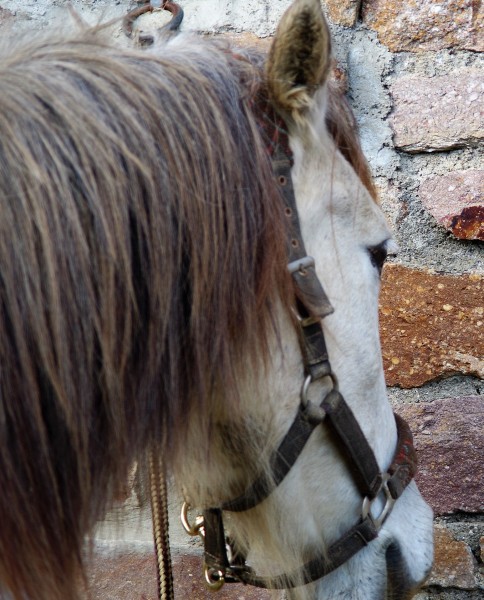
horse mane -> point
(142, 250)
(142, 255)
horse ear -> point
(299, 58)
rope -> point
(159, 514)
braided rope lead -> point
(159, 515)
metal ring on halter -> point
(197, 527)
(307, 382)
(304, 391)
(214, 578)
(387, 509)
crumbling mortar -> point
(446, 387)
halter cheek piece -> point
(312, 305)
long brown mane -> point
(142, 251)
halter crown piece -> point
(311, 306)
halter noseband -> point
(312, 305)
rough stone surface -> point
(366, 62)
(450, 387)
(259, 16)
(416, 25)
(435, 592)
(5, 15)
(343, 12)
(456, 201)
(431, 325)
(131, 575)
(438, 113)
(388, 198)
(450, 446)
(453, 563)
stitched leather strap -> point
(308, 288)
(350, 439)
(402, 470)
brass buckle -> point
(305, 321)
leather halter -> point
(312, 305)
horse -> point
(146, 306)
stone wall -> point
(416, 81)
(414, 75)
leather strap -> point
(214, 539)
(352, 441)
(312, 302)
(308, 288)
(282, 460)
(404, 464)
(337, 554)
(402, 470)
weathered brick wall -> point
(414, 75)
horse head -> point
(309, 511)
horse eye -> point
(379, 253)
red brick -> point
(456, 201)
(418, 25)
(438, 113)
(343, 12)
(454, 565)
(450, 446)
(431, 325)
